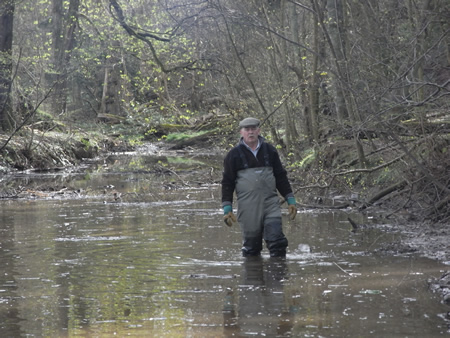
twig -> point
(348, 273)
(179, 177)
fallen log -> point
(386, 192)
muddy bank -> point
(39, 151)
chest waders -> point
(259, 213)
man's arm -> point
(228, 180)
(280, 173)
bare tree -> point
(64, 33)
(6, 39)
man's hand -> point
(229, 219)
(292, 209)
(228, 216)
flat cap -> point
(249, 122)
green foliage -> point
(43, 115)
(86, 142)
(308, 157)
(384, 176)
(134, 140)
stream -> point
(125, 245)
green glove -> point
(227, 208)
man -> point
(253, 169)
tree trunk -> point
(290, 112)
(344, 99)
(58, 49)
(110, 103)
(314, 84)
(335, 23)
(6, 38)
(103, 110)
(298, 67)
(63, 44)
(291, 130)
(279, 66)
(421, 29)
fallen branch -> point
(386, 191)
(313, 186)
(440, 207)
(315, 206)
(442, 203)
(174, 173)
(361, 170)
(348, 273)
(369, 170)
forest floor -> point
(421, 234)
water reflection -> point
(261, 308)
(9, 311)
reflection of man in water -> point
(262, 309)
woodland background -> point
(355, 94)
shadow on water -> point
(138, 250)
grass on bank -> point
(175, 137)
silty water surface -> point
(127, 247)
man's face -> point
(250, 134)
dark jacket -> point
(233, 163)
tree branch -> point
(369, 170)
(247, 75)
(27, 117)
(143, 37)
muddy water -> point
(127, 247)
